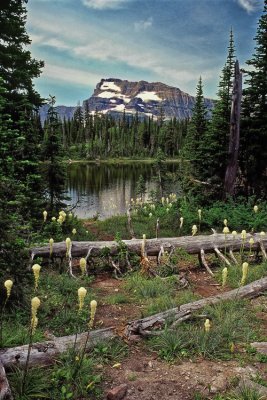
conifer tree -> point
(55, 173)
(254, 124)
(193, 149)
(217, 140)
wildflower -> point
(8, 285)
(36, 272)
(224, 276)
(93, 306)
(68, 246)
(262, 233)
(53, 219)
(45, 215)
(194, 230)
(51, 242)
(83, 265)
(244, 273)
(35, 305)
(81, 296)
(234, 233)
(74, 231)
(62, 215)
(207, 325)
(225, 222)
(181, 222)
(163, 200)
(243, 234)
(199, 214)
(150, 215)
(34, 323)
(251, 241)
(255, 209)
(60, 220)
(70, 215)
(226, 230)
(143, 245)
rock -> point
(118, 392)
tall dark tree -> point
(254, 124)
(20, 184)
(193, 149)
(218, 135)
(17, 67)
(54, 170)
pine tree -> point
(17, 67)
(254, 121)
(54, 173)
(218, 135)
(193, 149)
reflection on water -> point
(106, 189)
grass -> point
(234, 275)
(233, 324)
(62, 382)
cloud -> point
(70, 75)
(248, 5)
(104, 4)
(143, 25)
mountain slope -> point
(115, 96)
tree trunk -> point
(45, 353)
(231, 169)
(191, 244)
(142, 326)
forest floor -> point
(148, 377)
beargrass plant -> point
(235, 274)
(232, 324)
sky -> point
(169, 41)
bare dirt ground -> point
(149, 378)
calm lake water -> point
(106, 189)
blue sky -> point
(171, 41)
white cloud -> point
(104, 4)
(70, 75)
(143, 25)
(248, 5)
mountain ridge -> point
(115, 96)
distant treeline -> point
(90, 136)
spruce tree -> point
(217, 140)
(54, 173)
(254, 121)
(193, 149)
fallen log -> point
(178, 314)
(45, 353)
(5, 392)
(191, 244)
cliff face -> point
(115, 96)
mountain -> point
(115, 96)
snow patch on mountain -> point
(110, 86)
(148, 96)
(119, 108)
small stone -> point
(117, 393)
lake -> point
(106, 189)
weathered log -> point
(44, 353)
(5, 392)
(181, 313)
(191, 244)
